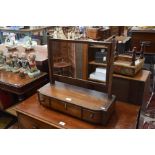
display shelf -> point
(98, 46)
(98, 56)
(97, 63)
(96, 80)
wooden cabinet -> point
(132, 89)
(139, 36)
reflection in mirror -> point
(80, 60)
(68, 59)
(97, 60)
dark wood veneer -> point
(124, 117)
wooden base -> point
(32, 115)
(85, 104)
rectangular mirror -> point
(68, 59)
(83, 63)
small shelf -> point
(97, 63)
(98, 46)
(95, 80)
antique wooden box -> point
(143, 35)
(123, 65)
(85, 104)
(93, 33)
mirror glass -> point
(79, 60)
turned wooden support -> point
(115, 42)
(143, 45)
(50, 60)
(142, 51)
(133, 56)
(116, 49)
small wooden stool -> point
(63, 68)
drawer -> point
(66, 108)
(74, 110)
(44, 100)
(27, 122)
(92, 116)
(58, 105)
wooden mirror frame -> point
(99, 86)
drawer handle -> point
(64, 104)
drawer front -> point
(44, 100)
(58, 105)
(91, 116)
(27, 122)
(74, 110)
(66, 108)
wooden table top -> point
(140, 76)
(124, 117)
(11, 82)
(13, 79)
